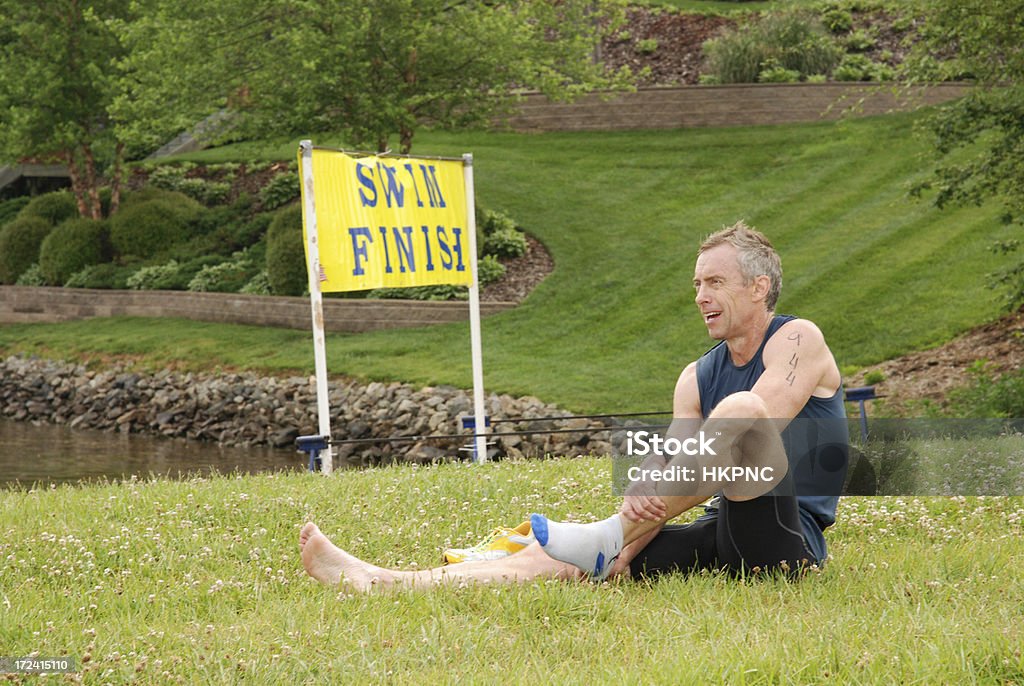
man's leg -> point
(744, 437)
(756, 535)
(331, 565)
(678, 548)
(761, 535)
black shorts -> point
(762, 534)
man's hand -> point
(638, 508)
(642, 504)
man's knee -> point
(741, 405)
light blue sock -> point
(591, 547)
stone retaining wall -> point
(246, 409)
(19, 304)
(731, 105)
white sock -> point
(591, 547)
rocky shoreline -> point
(245, 409)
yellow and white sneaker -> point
(500, 543)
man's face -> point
(724, 301)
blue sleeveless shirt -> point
(816, 441)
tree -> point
(56, 83)
(980, 138)
(370, 69)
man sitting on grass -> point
(777, 480)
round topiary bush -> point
(146, 228)
(53, 207)
(9, 209)
(19, 246)
(286, 254)
(71, 247)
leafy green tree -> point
(980, 138)
(372, 69)
(57, 81)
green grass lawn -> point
(199, 581)
(622, 213)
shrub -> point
(53, 207)
(72, 246)
(497, 234)
(107, 275)
(791, 41)
(153, 277)
(802, 45)
(989, 395)
(874, 377)
(286, 254)
(174, 178)
(170, 276)
(861, 68)
(206, 192)
(882, 72)
(227, 170)
(492, 221)
(20, 241)
(489, 270)
(258, 285)
(33, 276)
(837, 19)
(776, 73)
(647, 46)
(221, 231)
(734, 57)
(859, 41)
(505, 243)
(226, 277)
(249, 231)
(903, 23)
(147, 228)
(168, 177)
(9, 209)
(280, 191)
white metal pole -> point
(316, 302)
(480, 442)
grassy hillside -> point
(622, 213)
(199, 582)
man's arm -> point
(640, 502)
(797, 365)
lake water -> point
(48, 453)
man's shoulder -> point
(799, 330)
(686, 399)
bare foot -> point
(329, 564)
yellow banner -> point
(388, 222)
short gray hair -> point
(755, 255)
